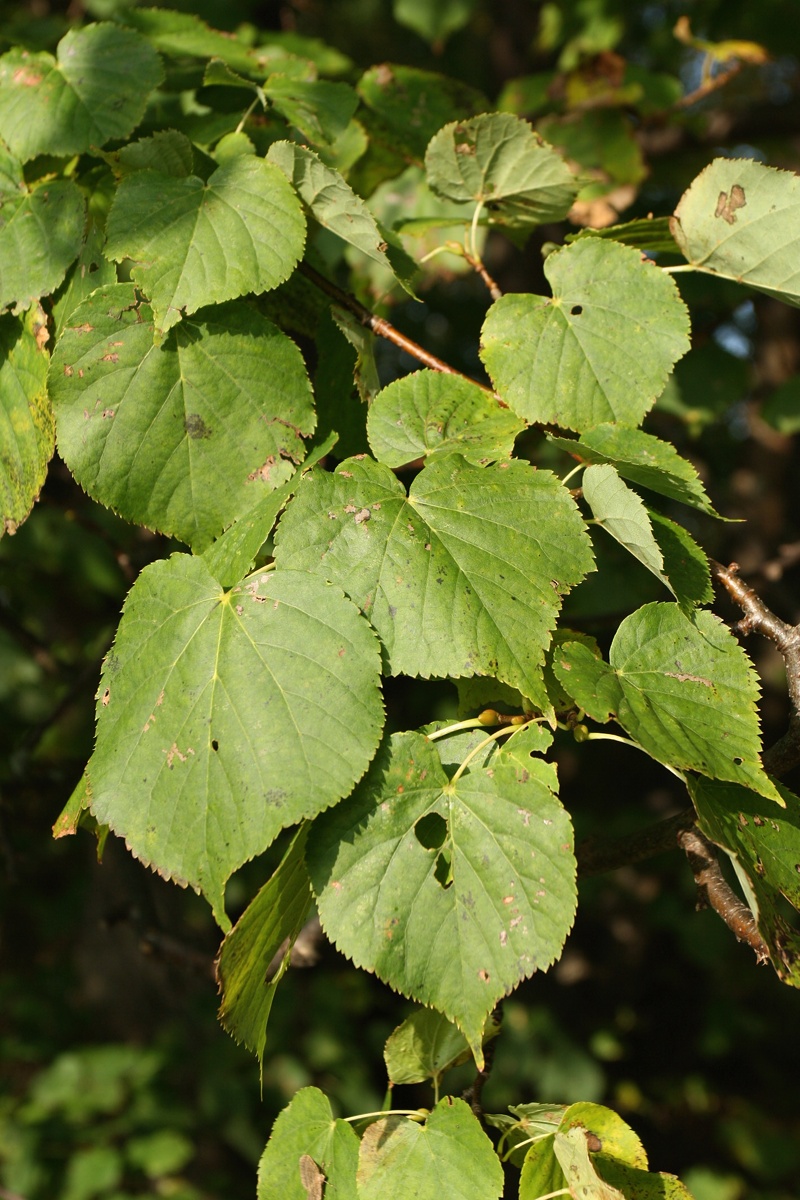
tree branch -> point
(757, 618)
(714, 891)
(384, 328)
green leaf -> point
(183, 34)
(429, 414)
(91, 271)
(425, 1046)
(320, 110)
(498, 161)
(684, 690)
(563, 1159)
(187, 435)
(234, 553)
(449, 1155)
(41, 230)
(635, 1184)
(307, 1127)
(336, 207)
(623, 515)
(646, 233)
(413, 104)
(95, 89)
(764, 844)
(276, 914)
(642, 459)
(433, 20)
(451, 892)
(196, 243)
(733, 222)
(462, 577)
(571, 1148)
(340, 366)
(213, 733)
(600, 350)
(685, 563)
(27, 430)
(167, 151)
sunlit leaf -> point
(685, 690)
(451, 892)
(739, 220)
(195, 243)
(464, 576)
(307, 1128)
(183, 436)
(213, 733)
(599, 350)
(95, 89)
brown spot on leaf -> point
(196, 427)
(363, 516)
(483, 975)
(110, 358)
(263, 471)
(106, 697)
(68, 371)
(728, 204)
(23, 77)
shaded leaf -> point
(429, 414)
(685, 563)
(196, 243)
(187, 435)
(413, 104)
(306, 1128)
(643, 459)
(423, 1047)
(95, 89)
(213, 734)
(41, 230)
(599, 350)
(277, 913)
(646, 233)
(449, 1155)
(184, 34)
(27, 430)
(764, 844)
(319, 109)
(738, 220)
(563, 1159)
(462, 577)
(497, 160)
(623, 515)
(451, 892)
(684, 690)
(433, 20)
(167, 151)
(91, 270)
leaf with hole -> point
(451, 892)
(429, 414)
(194, 243)
(738, 219)
(213, 733)
(95, 89)
(684, 690)
(186, 435)
(599, 350)
(464, 576)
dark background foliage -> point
(109, 1047)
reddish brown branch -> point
(706, 88)
(478, 265)
(382, 327)
(713, 891)
(757, 618)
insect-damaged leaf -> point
(739, 219)
(599, 350)
(464, 576)
(685, 690)
(95, 89)
(451, 893)
(186, 435)
(306, 1129)
(214, 732)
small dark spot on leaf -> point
(737, 762)
(576, 310)
(214, 744)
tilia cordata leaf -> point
(214, 732)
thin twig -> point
(382, 327)
(597, 855)
(477, 264)
(706, 88)
(758, 618)
(714, 891)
